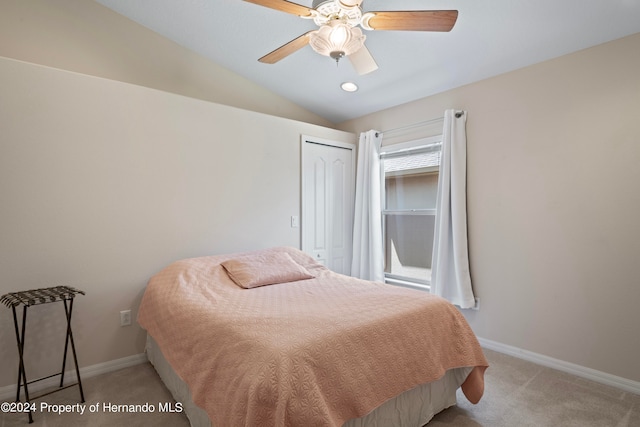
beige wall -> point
(553, 203)
(103, 183)
(86, 37)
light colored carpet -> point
(522, 394)
(138, 384)
(518, 393)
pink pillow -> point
(268, 268)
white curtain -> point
(367, 261)
(450, 277)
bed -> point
(273, 338)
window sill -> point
(407, 284)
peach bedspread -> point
(314, 352)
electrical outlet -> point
(125, 318)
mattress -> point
(414, 407)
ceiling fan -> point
(339, 35)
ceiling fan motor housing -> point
(326, 11)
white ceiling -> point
(490, 37)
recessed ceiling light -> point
(349, 87)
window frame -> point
(428, 144)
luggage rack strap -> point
(39, 296)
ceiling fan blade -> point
(412, 20)
(286, 49)
(362, 61)
(283, 6)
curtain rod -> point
(414, 125)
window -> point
(409, 208)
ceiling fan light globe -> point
(336, 37)
(354, 42)
(339, 35)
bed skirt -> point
(414, 407)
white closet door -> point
(328, 173)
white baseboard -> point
(570, 368)
(9, 392)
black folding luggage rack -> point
(27, 299)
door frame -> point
(307, 139)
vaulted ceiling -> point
(490, 37)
